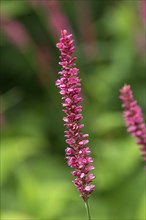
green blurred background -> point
(110, 50)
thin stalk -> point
(88, 210)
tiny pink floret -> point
(133, 118)
(77, 154)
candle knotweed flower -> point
(133, 118)
(77, 153)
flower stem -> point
(88, 210)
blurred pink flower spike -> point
(133, 118)
(15, 32)
(56, 17)
(77, 154)
(142, 10)
(20, 38)
(87, 29)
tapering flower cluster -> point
(77, 153)
(133, 118)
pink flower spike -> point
(133, 118)
(69, 85)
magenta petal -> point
(89, 188)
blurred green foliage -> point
(35, 180)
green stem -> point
(88, 210)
